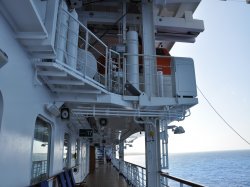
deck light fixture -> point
(177, 129)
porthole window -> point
(41, 151)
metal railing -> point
(136, 175)
(161, 74)
(90, 55)
(92, 58)
(115, 72)
(165, 177)
(81, 51)
(39, 170)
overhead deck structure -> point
(100, 66)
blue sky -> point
(222, 63)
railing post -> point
(109, 70)
(149, 61)
(124, 74)
(106, 68)
(86, 49)
(119, 71)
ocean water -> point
(213, 169)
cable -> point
(221, 116)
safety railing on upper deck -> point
(136, 175)
(158, 74)
(115, 73)
(80, 50)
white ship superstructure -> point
(80, 74)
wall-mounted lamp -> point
(129, 145)
(177, 129)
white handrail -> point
(136, 175)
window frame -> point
(49, 149)
(68, 157)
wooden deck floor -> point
(105, 176)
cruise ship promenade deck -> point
(105, 175)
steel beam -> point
(153, 165)
(52, 73)
(149, 48)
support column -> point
(152, 141)
(121, 156)
(149, 48)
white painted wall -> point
(23, 102)
(1, 108)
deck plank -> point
(105, 176)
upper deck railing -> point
(136, 175)
(81, 51)
(95, 61)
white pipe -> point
(132, 60)
(72, 41)
(62, 29)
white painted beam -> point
(66, 82)
(52, 73)
(31, 35)
(181, 25)
(77, 91)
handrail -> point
(137, 177)
(89, 31)
(182, 181)
(135, 165)
(84, 59)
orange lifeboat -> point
(163, 63)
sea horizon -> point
(207, 151)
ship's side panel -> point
(23, 102)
